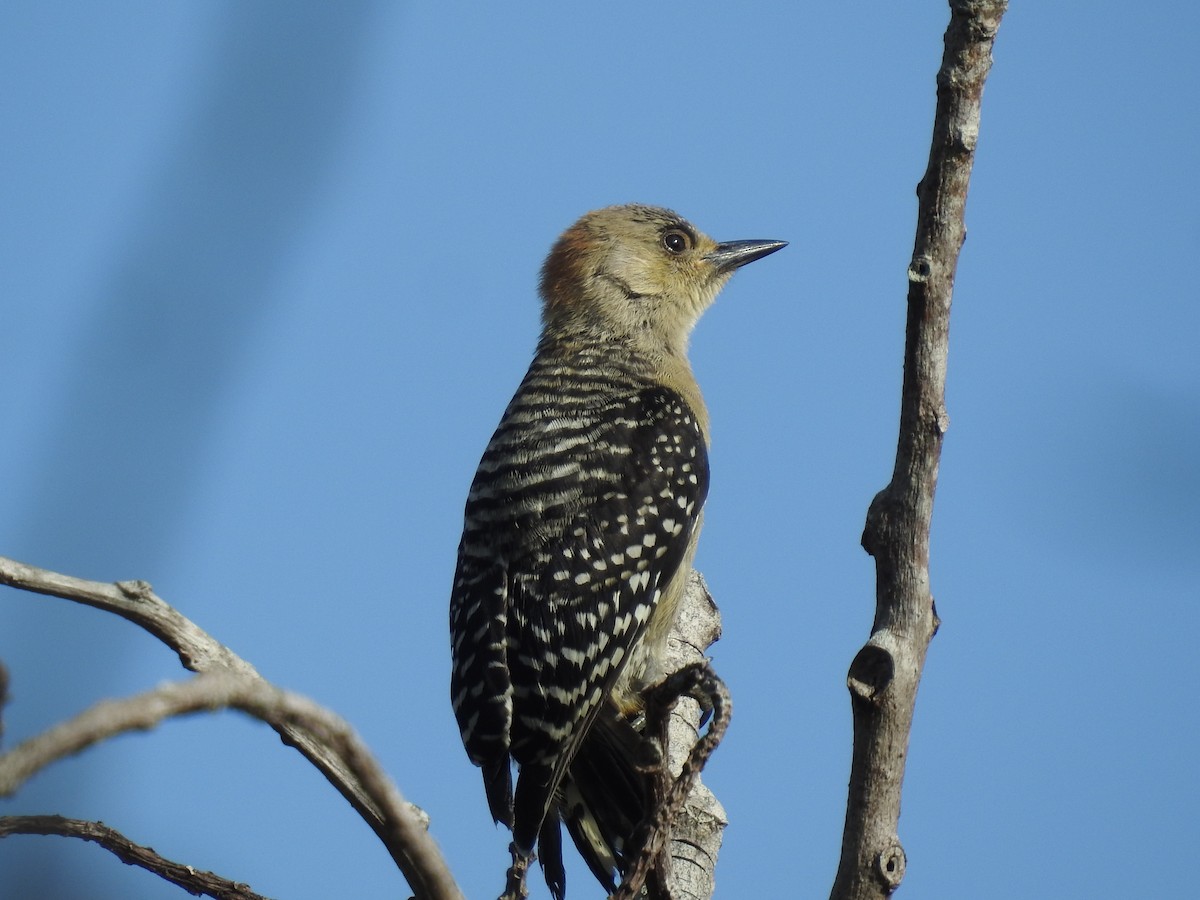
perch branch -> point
(885, 673)
(689, 813)
(698, 829)
(697, 680)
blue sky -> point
(268, 281)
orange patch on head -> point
(565, 266)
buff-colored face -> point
(641, 272)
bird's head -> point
(638, 273)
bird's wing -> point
(576, 613)
(571, 534)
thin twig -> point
(191, 880)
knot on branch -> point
(941, 421)
(135, 589)
(980, 18)
(697, 625)
(921, 267)
(871, 672)
(879, 516)
(890, 865)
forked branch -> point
(325, 740)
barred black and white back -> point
(582, 512)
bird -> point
(579, 531)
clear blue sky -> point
(267, 277)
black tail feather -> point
(550, 855)
(605, 796)
(497, 783)
(608, 794)
(531, 804)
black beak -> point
(735, 254)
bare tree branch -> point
(135, 601)
(206, 692)
(697, 679)
(323, 739)
(191, 880)
(699, 828)
(112, 717)
(885, 673)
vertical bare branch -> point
(885, 673)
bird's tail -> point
(606, 795)
(603, 796)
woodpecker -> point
(579, 533)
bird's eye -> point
(675, 241)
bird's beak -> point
(735, 254)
